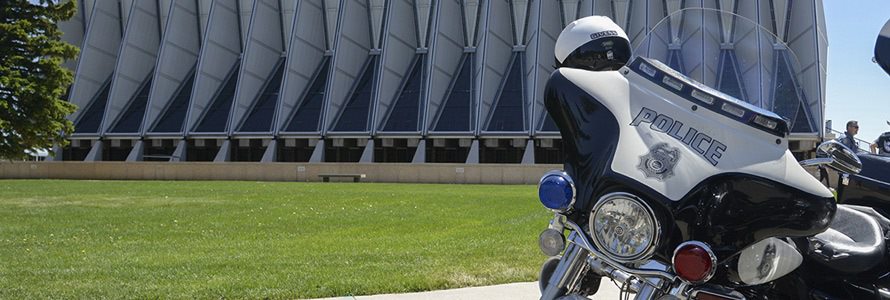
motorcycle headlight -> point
(557, 191)
(624, 227)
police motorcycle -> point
(675, 190)
(870, 186)
(866, 186)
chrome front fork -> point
(568, 273)
(580, 257)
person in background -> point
(848, 138)
(882, 144)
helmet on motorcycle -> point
(593, 43)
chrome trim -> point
(710, 253)
(568, 178)
(655, 240)
(583, 241)
(821, 161)
(695, 293)
(567, 273)
(558, 222)
(843, 159)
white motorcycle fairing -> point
(688, 142)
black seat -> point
(853, 243)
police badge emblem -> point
(659, 162)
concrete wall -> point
(406, 173)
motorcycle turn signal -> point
(552, 242)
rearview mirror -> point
(836, 156)
(882, 48)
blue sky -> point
(857, 88)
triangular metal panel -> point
(398, 58)
(676, 19)
(220, 52)
(204, 15)
(136, 61)
(353, 45)
(520, 16)
(586, 8)
(545, 25)
(780, 11)
(447, 44)
(261, 56)
(307, 48)
(97, 57)
(569, 11)
(332, 16)
(377, 8)
(164, 12)
(245, 11)
(125, 7)
(288, 9)
(726, 20)
(176, 61)
(423, 9)
(621, 10)
(471, 18)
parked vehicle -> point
(675, 190)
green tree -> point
(32, 79)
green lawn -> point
(164, 239)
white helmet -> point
(593, 43)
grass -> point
(156, 239)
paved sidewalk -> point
(510, 291)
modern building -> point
(457, 81)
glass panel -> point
(306, 116)
(729, 77)
(787, 96)
(802, 123)
(508, 114)
(131, 120)
(217, 116)
(355, 116)
(260, 117)
(549, 124)
(455, 115)
(174, 114)
(406, 111)
(92, 117)
(675, 61)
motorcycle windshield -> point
(734, 65)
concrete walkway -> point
(510, 291)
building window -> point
(509, 111)
(263, 111)
(354, 116)
(131, 120)
(730, 81)
(217, 116)
(307, 114)
(92, 117)
(174, 114)
(787, 96)
(455, 115)
(406, 111)
(548, 125)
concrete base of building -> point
(305, 172)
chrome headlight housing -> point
(624, 227)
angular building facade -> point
(422, 81)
